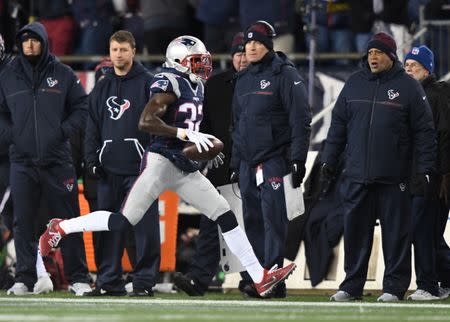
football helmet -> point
(188, 55)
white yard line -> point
(156, 301)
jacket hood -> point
(40, 31)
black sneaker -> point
(250, 291)
(141, 293)
(279, 292)
(187, 285)
(102, 292)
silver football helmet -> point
(188, 55)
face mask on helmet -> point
(188, 55)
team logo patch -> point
(51, 82)
(392, 94)
(275, 182)
(250, 35)
(415, 51)
(162, 84)
(69, 184)
(117, 108)
(187, 42)
(264, 84)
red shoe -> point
(51, 237)
(272, 278)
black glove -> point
(298, 173)
(234, 176)
(327, 177)
(96, 171)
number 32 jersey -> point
(186, 112)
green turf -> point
(61, 306)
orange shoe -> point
(272, 278)
(51, 237)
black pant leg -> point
(394, 211)
(424, 240)
(61, 192)
(26, 193)
(359, 220)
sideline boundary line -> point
(262, 303)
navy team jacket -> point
(40, 106)
(381, 120)
(271, 112)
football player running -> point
(173, 116)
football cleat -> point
(272, 278)
(51, 237)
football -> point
(190, 150)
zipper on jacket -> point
(36, 132)
(369, 138)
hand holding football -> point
(190, 150)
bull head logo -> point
(116, 108)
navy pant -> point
(57, 185)
(206, 260)
(425, 233)
(109, 246)
(5, 195)
(264, 209)
(443, 251)
(363, 204)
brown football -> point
(190, 150)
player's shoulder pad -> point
(166, 82)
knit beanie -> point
(423, 55)
(385, 43)
(261, 31)
(237, 45)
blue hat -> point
(423, 55)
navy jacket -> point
(40, 106)
(271, 112)
(115, 106)
(381, 120)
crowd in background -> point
(343, 26)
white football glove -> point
(216, 162)
(201, 140)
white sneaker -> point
(422, 295)
(79, 289)
(444, 292)
(342, 296)
(18, 289)
(387, 297)
(43, 285)
(129, 287)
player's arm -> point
(151, 121)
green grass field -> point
(62, 306)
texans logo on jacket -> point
(117, 108)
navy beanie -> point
(261, 31)
(237, 45)
(424, 56)
(29, 34)
(385, 43)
